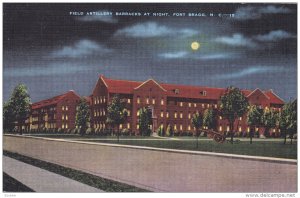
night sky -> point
(53, 48)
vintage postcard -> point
(150, 97)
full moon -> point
(195, 45)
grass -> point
(12, 185)
(257, 148)
(86, 178)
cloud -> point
(249, 71)
(58, 68)
(101, 15)
(237, 40)
(255, 12)
(152, 29)
(174, 55)
(217, 56)
(80, 49)
(274, 36)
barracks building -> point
(171, 104)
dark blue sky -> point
(52, 50)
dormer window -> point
(176, 91)
(203, 93)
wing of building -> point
(171, 104)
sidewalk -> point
(41, 180)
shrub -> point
(88, 131)
(160, 131)
(124, 132)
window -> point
(138, 100)
(95, 100)
(175, 115)
(274, 130)
(216, 106)
(103, 113)
(181, 104)
(128, 125)
(128, 101)
(138, 113)
(63, 126)
(220, 128)
(162, 101)
(189, 116)
(100, 99)
(240, 129)
(100, 112)
(120, 126)
(147, 100)
(190, 104)
(180, 126)
(202, 105)
(175, 127)
(227, 129)
(248, 129)
(195, 105)
(66, 117)
(240, 118)
(189, 127)
(161, 114)
(137, 126)
(167, 114)
(181, 115)
(103, 99)
(208, 105)
(128, 112)
(66, 126)
(63, 108)
(63, 117)
(176, 91)
(153, 100)
(220, 117)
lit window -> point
(220, 117)
(208, 105)
(95, 101)
(100, 99)
(128, 125)
(227, 128)
(128, 101)
(63, 126)
(256, 129)
(240, 118)
(153, 100)
(240, 129)
(138, 100)
(66, 126)
(248, 129)
(175, 115)
(162, 101)
(175, 127)
(167, 114)
(63, 108)
(190, 104)
(103, 99)
(189, 116)
(220, 128)
(63, 117)
(161, 114)
(103, 125)
(103, 113)
(138, 113)
(189, 127)
(216, 106)
(195, 105)
(180, 127)
(181, 104)
(274, 130)
(128, 112)
(120, 126)
(66, 117)
(137, 126)
(202, 105)
(147, 101)
(181, 115)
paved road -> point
(41, 180)
(162, 171)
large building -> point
(171, 104)
(54, 113)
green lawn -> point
(258, 148)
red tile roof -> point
(51, 101)
(185, 91)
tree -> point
(268, 120)
(254, 117)
(116, 113)
(233, 105)
(197, 122)
(209, 119)
(145, 120)
(19, 105)
(288, 119)
(169, 131)
(8, 117)
(82, 116)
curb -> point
(224, 155)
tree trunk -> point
(284, 137)
(118, 135)
(232, 133)
(197, 134)
(251, 135)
